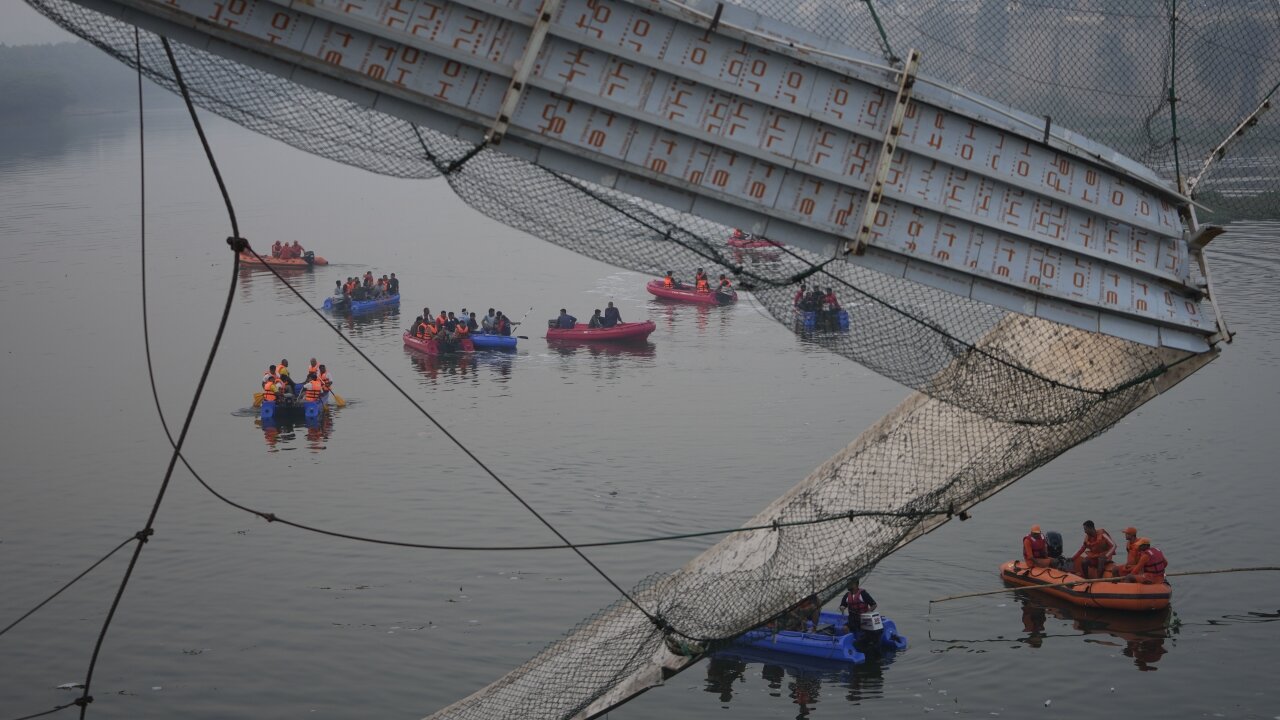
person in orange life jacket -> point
(286, 252)
(700, 274)
(829, 301)
(326, 380)
(1150, 566)
(461, 328)
(670, 282)
(312, 390)
(1035, 549)
(270, 374)
(856, 602)
(502, 325)
(270, 388)
(700, 282)
(1131, 553)
(275, 249)
(725, 286)
(415, 330)
(313, 368)
(282, 372)
(611, 316)
(441, 319)
(296, 249)
(566, 321)
(1090, 561)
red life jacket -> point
(1039, 546)
(1153, 563)
(668, 282)
(702, 285)
(856, 605)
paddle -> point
(338, 399)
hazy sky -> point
(20, 25)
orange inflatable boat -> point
(302, 262)
(1110, 595)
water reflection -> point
(569, 348)
(450, 367)
(1140, 636)
(282, 430)
(666, 312)
(801, 678)
(378, 321)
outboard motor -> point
(309, 256)
(1053, 539)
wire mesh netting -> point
(1000, 393)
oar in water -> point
(1090, 581)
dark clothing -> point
(393, 286)
(502, 327)
(566, 321)
(472, 324)
(595, 322)
(611, 317)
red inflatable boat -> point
(622, 332)
(685, 293)
(432, 347)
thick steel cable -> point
(85, 698)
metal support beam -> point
(523, 68)
(858, 245)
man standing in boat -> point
(856, 602)
(611, 316)
(1094, 553)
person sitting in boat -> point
(1035, 549)
(1131, 553)
(669, 282)
(502, 325)
(311, 390)
(725, 287)
(271, 374)
(393, 286)
(1150, 566)
(282, 371)
(611, 316)
(441, 320)
(1095, 552)
(597, 320)
(326, 382)
(296, 249)
(699, 274)
(472, 324)
(461, 329)
(856, 602)
(271, 388)
(566, 321)
(700, 282)
(803, 615)
(486, 322)
(275, 249)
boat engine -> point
(1053, 539)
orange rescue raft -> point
(1131, 596)
(283, 262)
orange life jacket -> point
(441, 319)
(1097, 546)
(703, 286)
(462, 328)
(313, 391)
(1035, 547)
(325, 382)
(726, 285)
(427, 330)
(1152, 564)
(269, 390)
(668, 282)
(1131, 548)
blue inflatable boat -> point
(487, 341)
(808, 319)
(355, 306)
(830, 641)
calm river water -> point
(229, 616)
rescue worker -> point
(275, 249)
(700, 282)
(611, 316)
(856, 602)
(283, 373)
(312, 390)
(1150, 566)
(296, 249)
(1090, 561)
(725, 286)
(502, 325)
(313, 368)
(270, 388)
(326, 380)
(461, 329)
(1035, 549)
(270, 374)
(669, 282)
(1131, 553)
